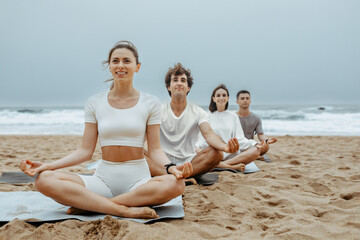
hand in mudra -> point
(31, 168)
(182, 171)
(232, 146)
(264, 146)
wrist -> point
(171, 169)
(48, 166)
(168, 166)
(225, 147)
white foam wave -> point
(65, 116)
(316, 124)
(276, 121)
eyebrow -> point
(178, 77)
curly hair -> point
(177, 70)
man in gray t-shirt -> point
(250, 122)
(251, 125)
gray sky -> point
(295, 52)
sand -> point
(310, 190)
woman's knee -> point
(43, 180)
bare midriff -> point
(121, 153)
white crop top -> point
(122, 127)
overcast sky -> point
(295, 52)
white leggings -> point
(114, 178)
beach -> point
(310, 190)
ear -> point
(213, 98)
(237, 101)
(138, 67)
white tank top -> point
(122, 127)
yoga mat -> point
(266, 158)
(93, 165)
(207, 179)
(35, 207)
(19, 177)
(16, 177)
(249, 168)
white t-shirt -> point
(122, 127)
(178, 135)
(227, 125)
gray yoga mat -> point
(16, 177)
(266, 158)
(35, 207)
(206, 179)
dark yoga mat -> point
(207, 179)
(16, 177)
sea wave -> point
(279, 120)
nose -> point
(121, 64)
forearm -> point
(159, 158)
(78, 156)
(215, 141)
(262, 137)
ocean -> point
(278, 120)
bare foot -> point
(128, 212)
(77, 211)
(239, 167)
(190, 181)
(140, 212)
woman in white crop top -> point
(227, 125)
(122, 118)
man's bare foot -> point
(239, 167)
(190, 181)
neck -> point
(220, 108)
(178, 105)
(243, 112)
(123, 89)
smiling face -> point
(220, 98)
(122, 64)
(178, 85)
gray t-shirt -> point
(251, 124)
